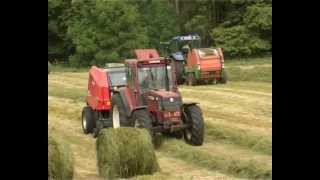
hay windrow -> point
(60, 160)
(125, 152)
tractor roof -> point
(186, 37)
(113, 65)
(146, 54)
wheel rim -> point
(188, 134)
(115, 117)
(84, 122)
(136, 124)
(215, 81)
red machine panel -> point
(98, 89)
(146, 54)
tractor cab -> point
(179, 46)
(151, 77)
(116, 75)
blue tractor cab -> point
(179, 45)
(177, 49)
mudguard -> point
(189, 104)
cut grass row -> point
(240, 137)
(177, 169)
(67, 125)
(248, 61)
(206, 159)
(67, 92)
(255, 114)
(224, 163)
(214, 131)
(261, 74)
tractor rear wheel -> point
(194, 135)
(191, 80)
(224, 77)
(87, 120)
(141, 118)
(179, 71)
(119, 117)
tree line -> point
(86, 32)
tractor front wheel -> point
(119, 117)
(87, 120)
(194, 135)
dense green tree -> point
(59, 45)
(159, 20)
(86, 32)
(104, 31)
(246, 30)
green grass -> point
(64, 92)
(228, 165)
(65, 68)
(240, 70)
(125, 152)
(240, 137)
(260, 74)
(248, 61)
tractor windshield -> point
(117, 78)
(156, 77)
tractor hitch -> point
(172, 128)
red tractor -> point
(151, 99)
(102, 84)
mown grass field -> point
(238, 125)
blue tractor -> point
(177, 49)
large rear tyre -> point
(141, 118)
(119, 117)
(224, 77)
(194, 135)
(87, 120)
(179, 71)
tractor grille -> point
(171, 106)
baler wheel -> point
(87, 120)
(179, 71)
(191, 79)
(195, 134)
(224, 77)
